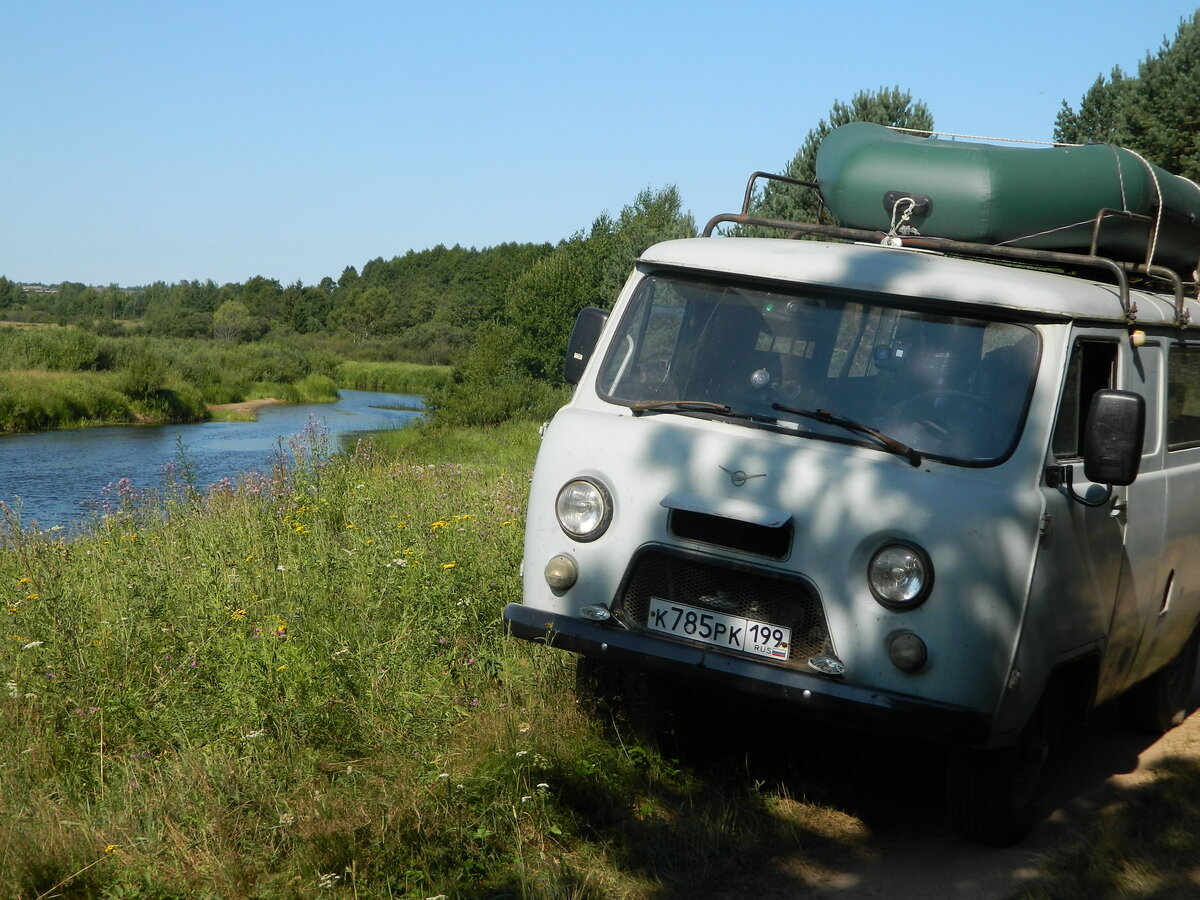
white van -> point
(891, 485)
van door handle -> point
(1119, 508)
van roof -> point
(916, 274)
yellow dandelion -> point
(350, 526)
(249, 558)
(281, 668)
(32, 596)
(449, 565)
(509, 522)
(237, 615)
(24, 579)
(111, 848)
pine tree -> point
(887, 106)
(1156, 112)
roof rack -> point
(1119, 271)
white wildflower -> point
(254, 734)
(33, 645)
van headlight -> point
(900, 576)
(584, 509)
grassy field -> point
(299, 686)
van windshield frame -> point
(796, 358)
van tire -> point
(1162, 701)
(995, 796)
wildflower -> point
(32, 597)
(237, 615)
(286, 819)
(449, 565)
(329, 879)
(254, 734)
(399, 562)
(509, 522)
(443, 776)
(350, 526)
(24, 579)
(13, 691)
(526, 798)
(543, 786)
(521, 753)
(523, 728)
(281, 668)
(249, 558)
(111, 848)
(33, 645)
(281, 568)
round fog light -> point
(907, 651)
(561, 572)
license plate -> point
(719, 629)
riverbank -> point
(245, 411)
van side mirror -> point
(588, 325)
(1112, 445)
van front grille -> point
(737, 591)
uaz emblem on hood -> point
(738, 477)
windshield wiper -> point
(706, 406)
(685, 405)
(832, 418)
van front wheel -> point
(1163, 700)
(995, 796)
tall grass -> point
(392, 377)
(294, 685)
(33, 401)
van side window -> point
(1183, 397)
(1092, 368)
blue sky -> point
(181, 140)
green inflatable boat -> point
(1053, 198)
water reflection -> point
(54, 477)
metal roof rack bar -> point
(956, 248)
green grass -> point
(41, 400)
(300, 686)
(392, 377)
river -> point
(56, 477)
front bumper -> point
(827, 698)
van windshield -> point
(951, 387)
